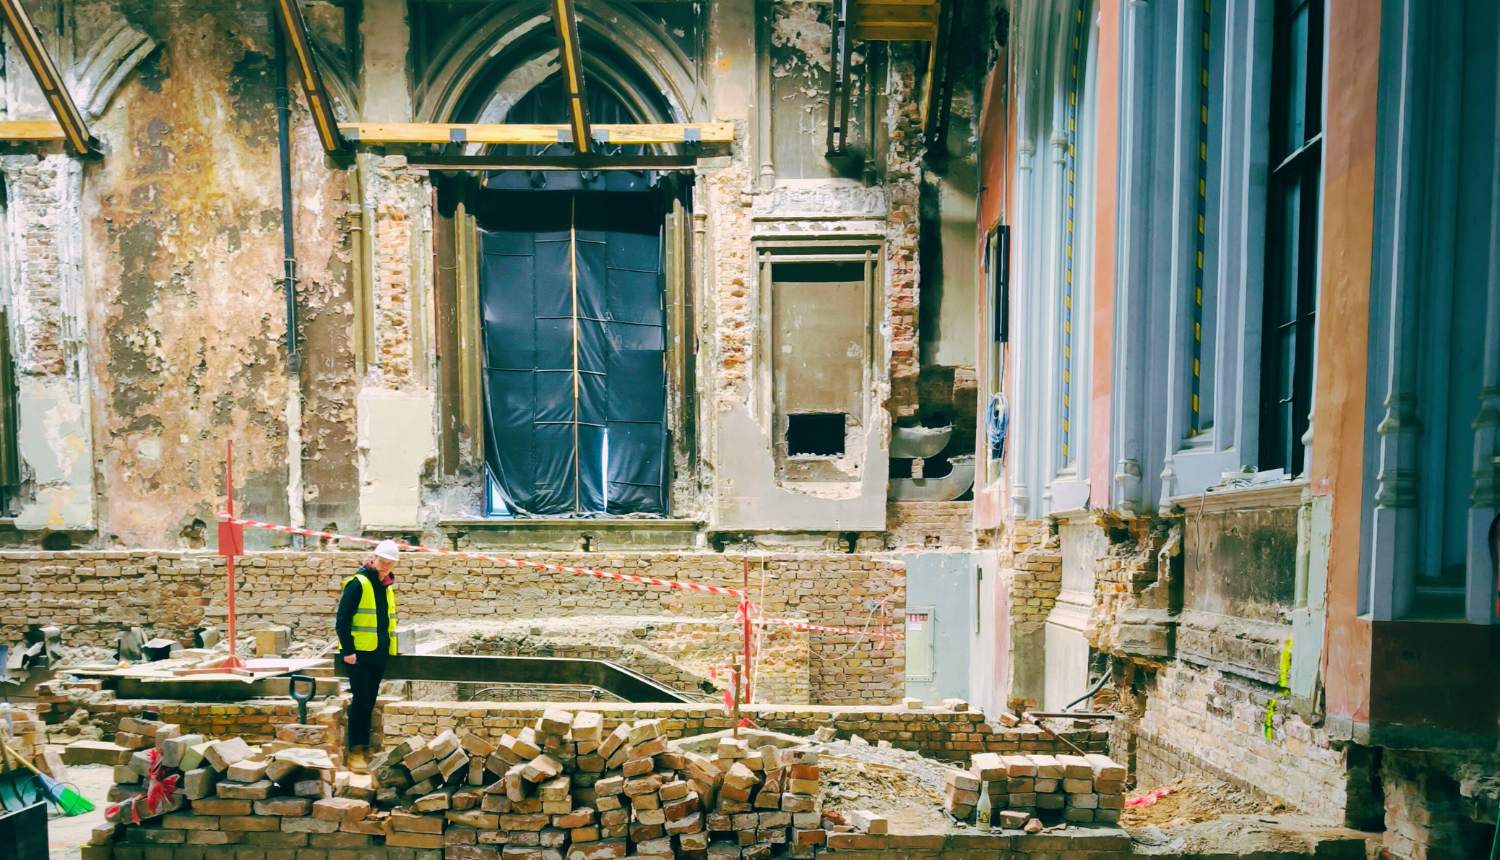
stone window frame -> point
(1034, 441)
(1072, 361)
(1154, 292)
(851, 248)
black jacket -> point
(349, 603)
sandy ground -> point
(901, 785)
(1194, 800)
(66, 835)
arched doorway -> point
(573, 295)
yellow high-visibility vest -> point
(363, 631)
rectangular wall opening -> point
(815, 435)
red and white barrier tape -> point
(557, 568)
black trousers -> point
(364, 684)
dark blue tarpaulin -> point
(575, 341)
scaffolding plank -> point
(535, 135)
(31, 130)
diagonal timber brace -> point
(566, 18)
(74, 130)
(295, 25)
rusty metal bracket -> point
(838, 79)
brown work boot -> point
(359, 761)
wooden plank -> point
(538, 135)
(566, 19)
(892, 14)
(31, 130)
(895, 32)
(295, 26)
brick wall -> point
(1031, 559)
(948, 735)
(254, 720)
(92, 595)
(1439, 806)
(930, 525)
(1201, 719)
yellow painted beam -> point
(894, 32)
(75, 130)
(566, 19)
(39, 130)
(295, 26)
(534, 135)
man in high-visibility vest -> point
(366, 627)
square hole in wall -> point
(815, 434)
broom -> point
(68, 800)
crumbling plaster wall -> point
(397, 436)
(179, 260)
(1194, 608)
(184, 261)
(48, 321)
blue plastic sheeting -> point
(575, 377)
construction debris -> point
(1193, 800)
(559, 788)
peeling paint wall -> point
(184, 255)
(329, 488)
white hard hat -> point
(388, 550)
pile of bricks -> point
(563, 788)
(25, 734)
(1079, 789)
(174, 789)
(558, 788)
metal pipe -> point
(289, 258)
(1109, 670)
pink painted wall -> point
(1343, 338)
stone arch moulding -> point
(342, 91)
(444, 86)
(97, 73)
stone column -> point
(48, 329)
(396, 405)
